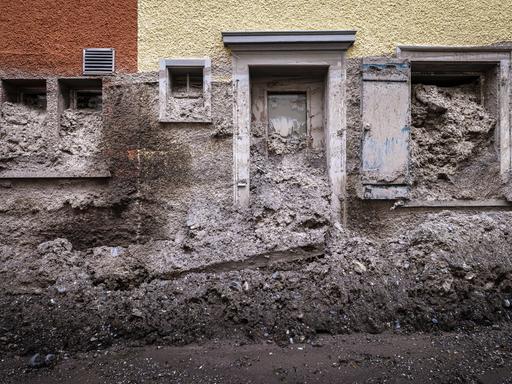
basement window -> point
(31, 93)
(186, 82)
(80, 94)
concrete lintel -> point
(185, 62)
(288, 40)
(455, 53)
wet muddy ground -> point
(483, 355)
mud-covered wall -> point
(156, 252)
(187, 29)
(48, 37)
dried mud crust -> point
(453, 152)
(28, 143)
(24, 137)
(452, 270)
(80, 139)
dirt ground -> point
(482, 355)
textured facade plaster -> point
(48, 37)
(190, 28)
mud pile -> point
(289, 192)
(24, 140)
(452, 270)
(452, 146)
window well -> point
(186, 82)
(29, 92)
(80, 94)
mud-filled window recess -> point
(81, 125)
(29, 92)
(261, 61)
(460, 142)
(52, 128)
(185, 90)
(80, 94)
(287, 117)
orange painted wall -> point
(47, 37)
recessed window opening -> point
(446, 79)
(186, 81)
(287, 115)
(80, 94)
(31, 93)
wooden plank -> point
(385, 192)
(386, 103)
(455, 203)
(504, 119)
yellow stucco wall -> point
(186, 28)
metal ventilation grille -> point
(99, 61)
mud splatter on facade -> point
(118, 226)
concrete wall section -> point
(47, 37)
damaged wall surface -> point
(123, 228)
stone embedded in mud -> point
(56, 246)
(37, 361)
(359, 267)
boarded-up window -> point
(386, 128)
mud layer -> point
(481, 356)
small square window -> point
(80, 94)
(185, 90)
(31, 93)
(186, 82)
